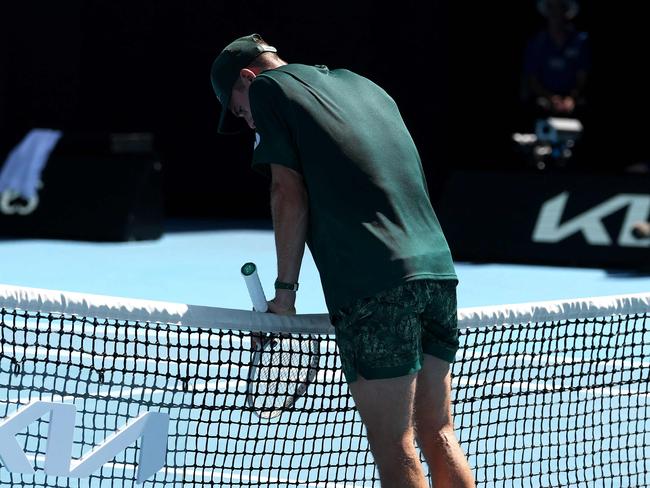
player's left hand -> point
(279, 306)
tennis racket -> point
(282, 365)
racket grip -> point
(255, 290)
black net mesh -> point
(535, 404)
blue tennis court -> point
(227, 445)
(146, 149)
(202, 267)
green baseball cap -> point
(225, 71)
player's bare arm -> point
(345, 136)
(290, 211)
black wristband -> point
(280, 285)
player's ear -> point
(247, 76)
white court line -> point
(326, 375)
(126, 392)
(548, 387)
(527, 359)
(37, 352)
(45, 351)
(222, 387)
(206, 474)
(230, 338)
(540, 387)
(116, 331)
(551, 359)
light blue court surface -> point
(202, 267)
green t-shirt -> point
(371, 224)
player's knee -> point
(445, 436)
(397, 455)
(441, 438)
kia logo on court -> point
(550, 226)
(150, 428)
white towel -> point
(21, 173)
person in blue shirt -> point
(557, 60)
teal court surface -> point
(202, 267)
(547, 403)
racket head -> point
(280, 373)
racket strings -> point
(284, 367)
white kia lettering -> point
(550, 228)
(150, 427)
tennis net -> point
(545, 394)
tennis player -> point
(346, 179)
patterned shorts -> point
(385, 336)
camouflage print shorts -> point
(385, 336)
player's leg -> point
(379, 343)
(435, 428)
(386, 406)
(433, 417)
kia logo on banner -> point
(560, 218)
(550, 227)
(150, 427)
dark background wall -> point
(453, 67)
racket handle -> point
(255, 290)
